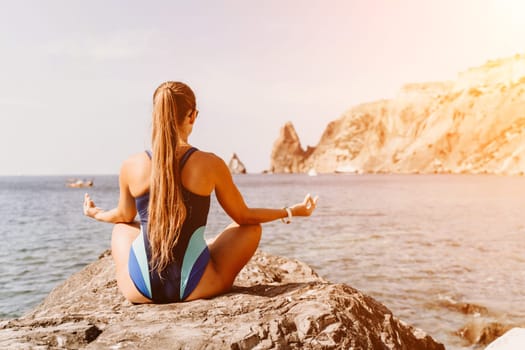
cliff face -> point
(475, 124)
(276, 303)
(288, 155)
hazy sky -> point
(76, 77)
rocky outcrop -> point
(480, 331)
(276, 303)
(288, 155)
(482, 326)
(475, 124)
(236, 166)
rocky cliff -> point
(288, 155)
(475, 124)
(276, 303)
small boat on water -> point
(347, 169)
(77, 183)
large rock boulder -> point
(276, 303)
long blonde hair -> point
(172, 102)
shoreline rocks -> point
(275, 303)
(480, 332)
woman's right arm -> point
(233, 203)
(125, 210)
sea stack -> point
(236, 166)
(288, 156)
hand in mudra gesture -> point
(305, 208)
(90, 209)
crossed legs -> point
(229, 252)
(121, 239)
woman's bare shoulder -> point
(208, 158)
(211, 166)
(136, 167)
(140, 158)
(135, 173)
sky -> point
(77, 77)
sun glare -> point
(511, 13)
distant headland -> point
(473, 125)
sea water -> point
(420, 244)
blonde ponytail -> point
(167, 211)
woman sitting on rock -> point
(165, 258)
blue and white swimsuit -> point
(191, 254)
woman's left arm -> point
(126, 209)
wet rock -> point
(276, 303)
(464, 308)
(480, 331)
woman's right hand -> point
(305, 208)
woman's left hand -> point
(89, 207)
(305, 208)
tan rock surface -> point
(288, 155)
(276, 303)
(475, 124)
